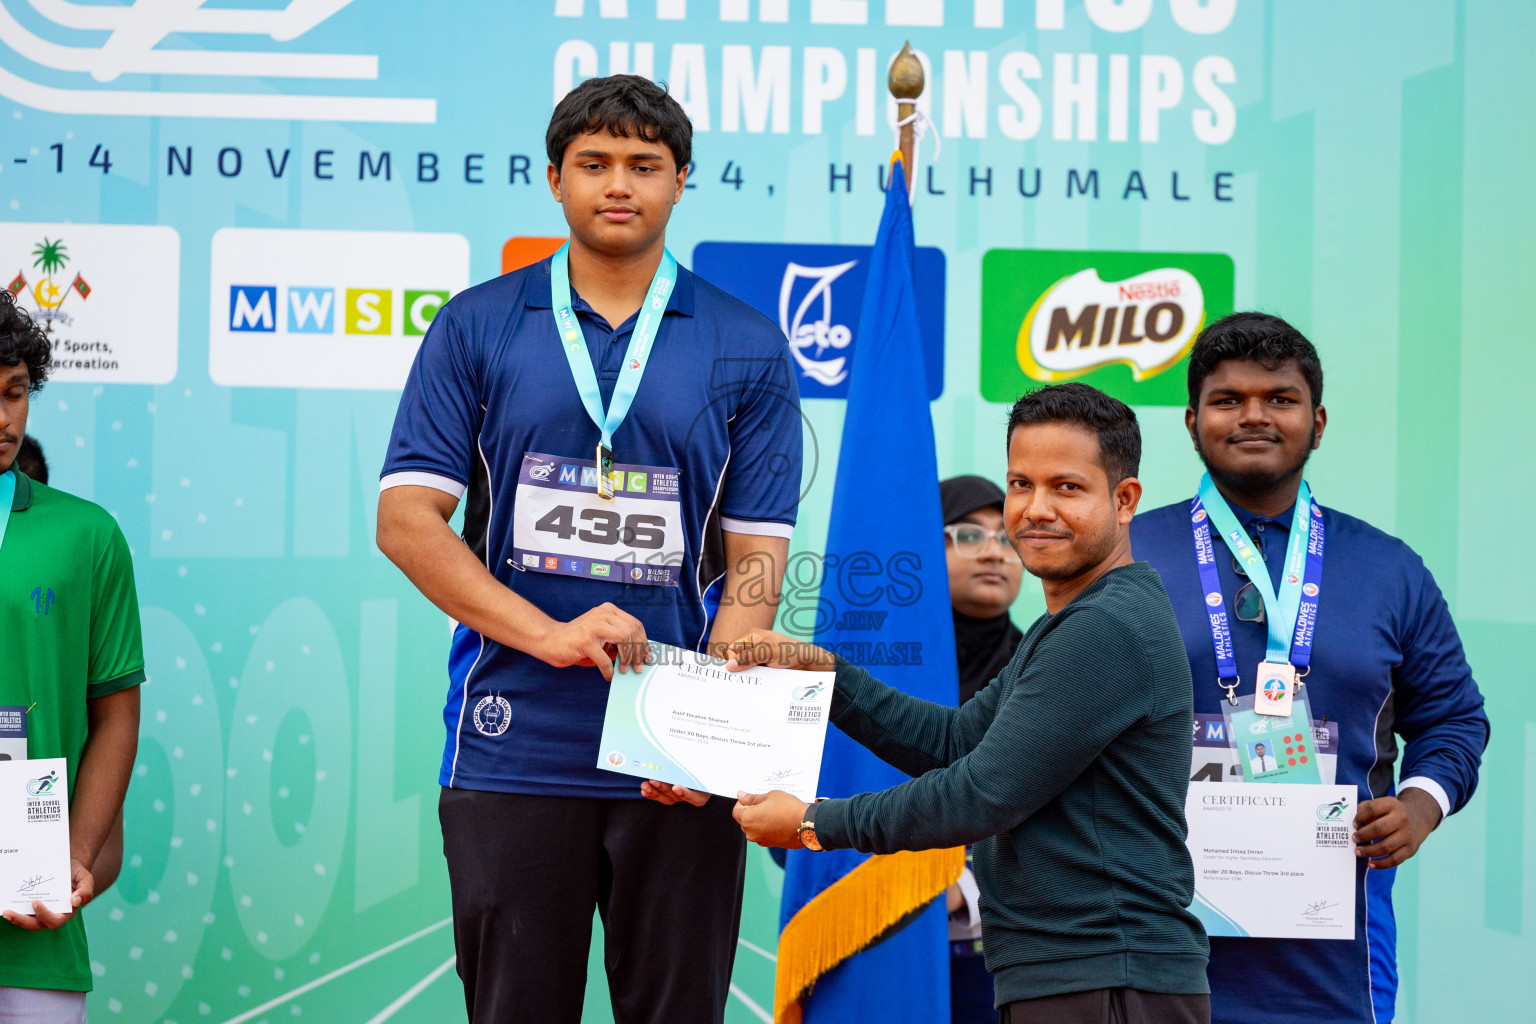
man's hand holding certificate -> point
(713, 726)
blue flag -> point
(885, 606)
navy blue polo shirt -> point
(1387, 663)
(718, 402)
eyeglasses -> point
(1248, 603)
(970, 540)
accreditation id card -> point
(1270, 748)
(561, 523)
(1213, 759)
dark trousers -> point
(1110, 1006)
(527, 871)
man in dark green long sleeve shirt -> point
(1069, 771)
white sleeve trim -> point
(1431, 787)
(972, 894)
(756, 529)
(446, 484)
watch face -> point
(808, 839)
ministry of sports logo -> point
(73, 46)
(50, 257)
(106, 295)
(493, 715)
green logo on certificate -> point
(42, 786)
(1333, 811)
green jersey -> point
(69, 632)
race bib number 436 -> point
(560, 525)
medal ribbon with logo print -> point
(640, 346)
(1291, 615)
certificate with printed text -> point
(1273, 860)
(688, 721)
(34, 835)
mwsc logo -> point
(281, 318)
(815, 294)
(1121, 321)
(311, 310)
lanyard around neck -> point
(7, 496)
(641, 341)
(1290, 615)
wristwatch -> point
(807, 830)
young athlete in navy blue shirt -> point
(556, 586)
(1386, 665)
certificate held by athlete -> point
(34, 835)
(1273, 860)
(688, 721)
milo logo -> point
(1146, 323)
(1121, 321)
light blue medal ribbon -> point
(1280, 609)
(7, 496)
(641, 344)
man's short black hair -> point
(1259, 337)
(1088, 407)
(626, 105)
(30, 459)
(23, 342)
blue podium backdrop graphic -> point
(235, 219)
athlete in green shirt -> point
(73, 660)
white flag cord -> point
(920, 122)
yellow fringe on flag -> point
(851, 913)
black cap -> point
(959, 496)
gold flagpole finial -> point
(906, 84)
